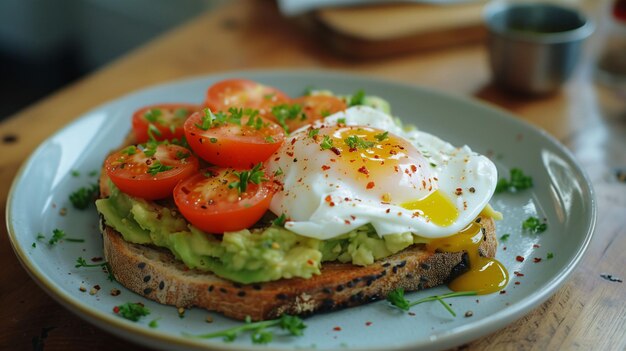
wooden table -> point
(588, 312)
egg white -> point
(306, 191)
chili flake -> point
(519, 259)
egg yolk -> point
(381, 162)
(486, 275)
(436, 207)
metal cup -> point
(534, 47)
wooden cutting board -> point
(387, 29)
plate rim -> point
(132, 331)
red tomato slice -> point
(232, 144)
(207, 201)
(150, 177)
(314, 107)
(167, 119)
(243, 93)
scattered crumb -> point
(611, 278)
(502, 292)
(337, 328)
(209, 319)
(115, 292)
(469, 314)
(82, 288)
(181, 312)
(94, 290)
(63, 211)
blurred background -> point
(47, 44)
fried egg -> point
(359, 166)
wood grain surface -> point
(588, 312)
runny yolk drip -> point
(435, 206)
(486, 275)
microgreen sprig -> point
(255, 175)
(106, 267)
(518, 181)
(396, 298)
(259, 330)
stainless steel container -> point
(534, 47)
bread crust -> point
(155, 274)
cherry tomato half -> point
(231, 144)
(314, 107)
(167, 119)
(207, 201)
(243, 93)
(150, 174)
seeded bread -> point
(155, 273)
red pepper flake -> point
(458, 192)
(370, 185)
(328, 198)
(289, 153)
(346, 221)
(335, 150)
(536, 246)
(517, 283)
(353, 217)
(502, 292)
(504, 248)
(363, 170)
(388, 210)
(325, 167)
(293, 141)
(368, 323)
(536, 259)
(116, 309)
(337, 328)
(96, 259)
(519, 259)
(310, 262)
(518, 274)
(413, 168)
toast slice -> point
(154, 273)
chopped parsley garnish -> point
(152, 131)
(150, 148)
(518, 181)
(40, 236)
(550, 256)
(357, 98)
(93, 173)
(286, 112)
(327, 143)
(355, 142)
(153, 115)
(154, 323)
(207, 119)
(505, 237)
(106, 268)
(382, 136)
(158, 167)
(396, 298)
(132, 311)
(341, 121)
(75, 173)
(534, 225)
(213, 140)
(278, 172)
(181, 155)
(308, 90)
(313, 133)
(82, 197)
(181, 113)
(255, 175)
(280, 221)
(259, 330)
(325, 113)
(433, 165)
(255, 122)
(268, 96)
(131, 150)
(269, 139)
(34, 244)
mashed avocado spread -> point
(245, 256)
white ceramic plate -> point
(562, 194)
